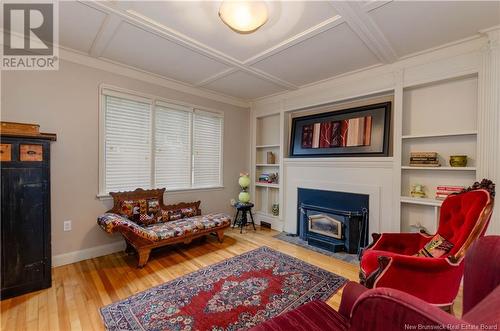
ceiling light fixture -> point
(243, 16)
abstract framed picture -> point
(361, 131)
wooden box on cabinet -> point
(5, 152)
(25, 226)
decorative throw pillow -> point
(153, 206)
(165, 215)
(143, 206)
(128, 208)
(145, 219)
(188, 212)
(174, 215)
(436, 247)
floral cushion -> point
(128, 208)
(153, 206)
(186, 226)
(110, 222)
(142, 212)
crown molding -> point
(145, 76)
(106, 33)
(374, 4)
(362, 24)
(217, 76)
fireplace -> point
(335, 221)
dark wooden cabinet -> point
(25, 215)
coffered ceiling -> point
(303, 42)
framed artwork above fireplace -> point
(361, 131)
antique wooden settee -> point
(145, 222)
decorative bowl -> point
(458, 160)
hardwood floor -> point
(80, 289)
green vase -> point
(244, 197)
(244, 181)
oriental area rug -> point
(237, 293)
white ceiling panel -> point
(330, 53)
(243, 85)
(199, 20)
(413, 26)
(136, 47)
(75, 32)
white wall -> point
(65, 102)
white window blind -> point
(207, 149)
(150, 143)
(127, 144)
(172, 148)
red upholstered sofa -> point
(391, 261)
(385, 309)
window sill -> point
(103, 196)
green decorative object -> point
(275, 210)
(244, 181)
(244, 197)
(458, 160)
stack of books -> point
(424, 159)
(443, 191)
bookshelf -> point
(438, 117)
(439, 168)
(267, 132)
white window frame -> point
(153, 100)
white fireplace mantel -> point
(371, 176)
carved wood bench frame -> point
(144, 246)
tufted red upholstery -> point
(464, 217)
(459, 214)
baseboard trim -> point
(276, 224)
(85, 254)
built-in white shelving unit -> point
(422, 201)
(267, 139)
(437, 117)
(439, 168)
(438, 135)
(267, 146)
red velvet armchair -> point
(385, 309)
(390, 261)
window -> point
(150, 143)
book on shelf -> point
(424, 162)
(450, 188)
(425, 165)
(424, 154)
(420, 159)
(443, 191)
